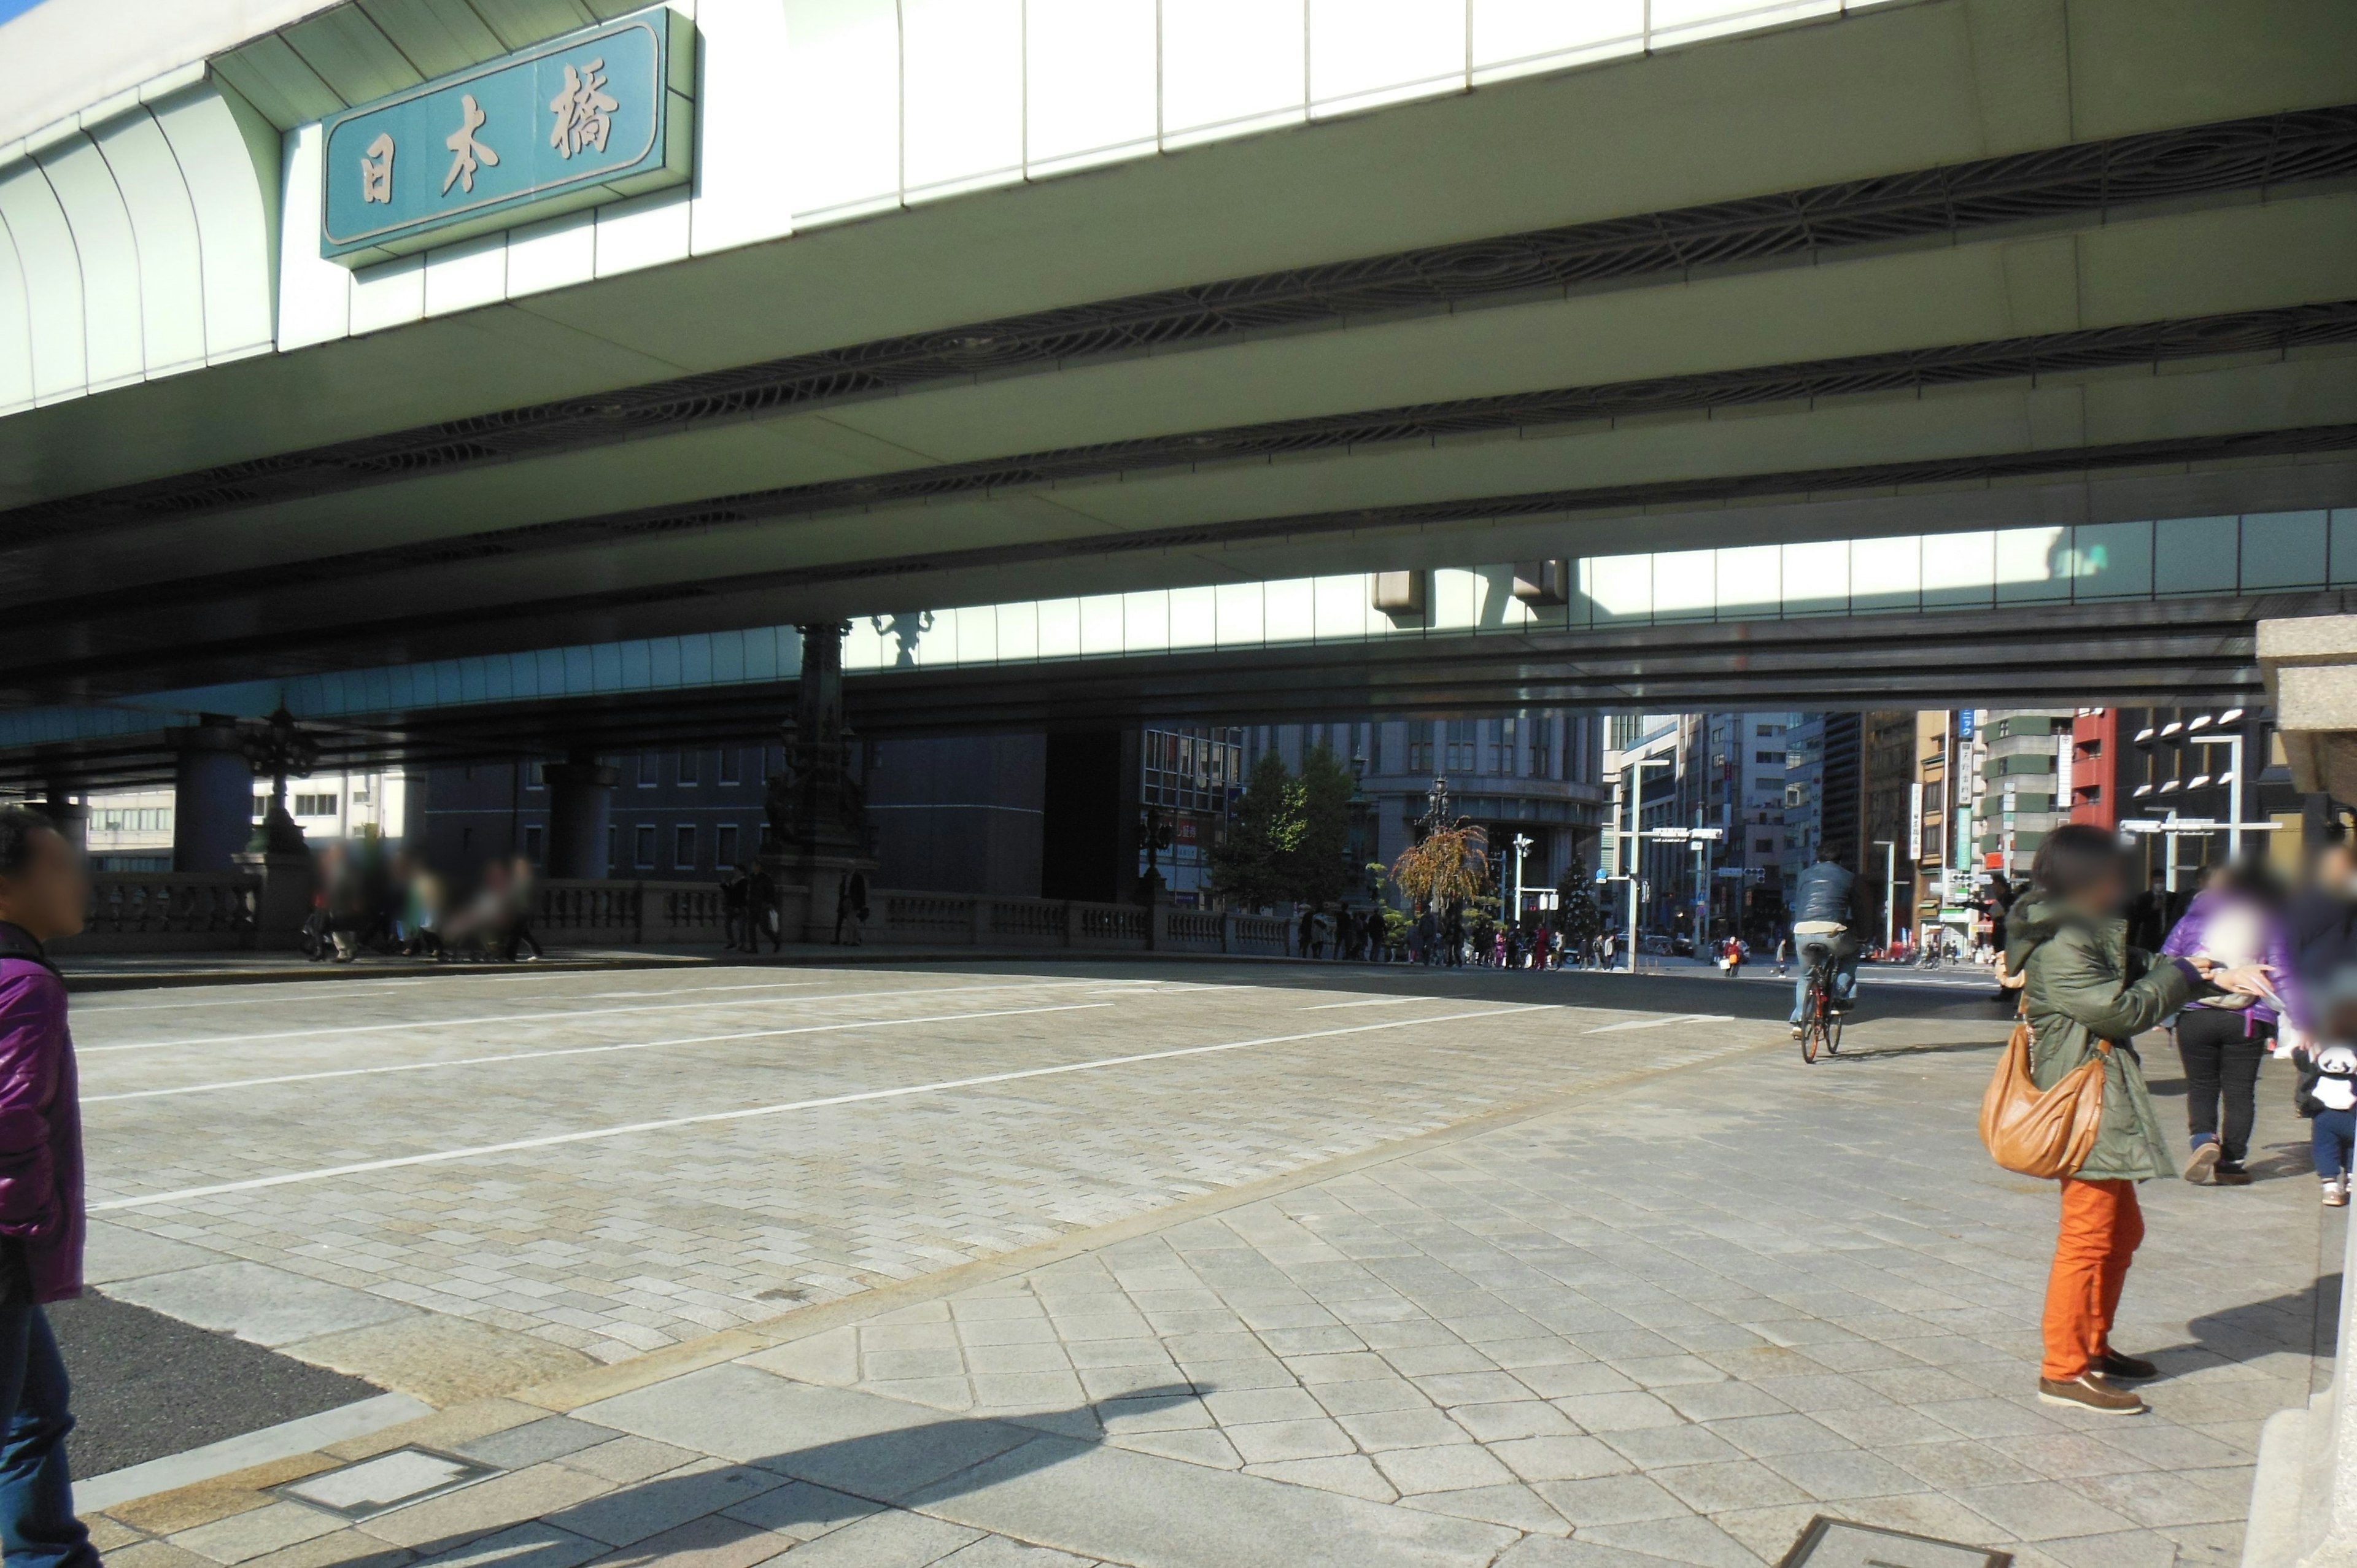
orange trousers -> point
(2101, 1228)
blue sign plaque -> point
(590, 117)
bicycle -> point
(1821, 1021)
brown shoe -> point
(2088, 1390)
(2230, 1173)
(2204, 1161)
(2131, 1369)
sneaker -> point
(2231, 1172)
(1796, 1031)
(2090, 1392)
(2202, 1165)
(2132, 1369)
(2336, 1193)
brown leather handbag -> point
(2043, 1133)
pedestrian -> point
(2237, 921)
(732, 906)
(524, 907)
(2087, 994)
(44, 894)
(851, 909)
(1731, 957)
(761, 918)
(2326, 1093)
(1306, 935)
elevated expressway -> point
(1908, 271)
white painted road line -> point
(582, 1051)
(1661, 1023)
(1369, 1002)
(903, 993)
(290, 1178)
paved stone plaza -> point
(1228, 1265)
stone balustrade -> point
(168, 911)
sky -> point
(14, 7)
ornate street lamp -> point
(278, 749)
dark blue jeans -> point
(37, 1527)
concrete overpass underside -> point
(1939, 267)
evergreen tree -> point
(1319, 868)
(1251, 866)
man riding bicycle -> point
(1824, 907)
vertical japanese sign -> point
(1915, 821)
(591, 117)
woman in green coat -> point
(2084, 989)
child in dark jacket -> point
(2327, 1093)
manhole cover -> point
(387, 1482)
(1837, 1543)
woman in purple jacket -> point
(2237, 919)
(43, 895)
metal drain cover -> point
(1837, 1543)
(391, 1480)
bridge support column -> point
(70, 816)
(817, 810)
(580, 807)
(212, 795)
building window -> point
(612, 838)
(535, 774)
(1768, 759)
(361, 792)
(684, 856)
(534, 839)
(315, 805)
(646, 845)
(1542, 748)
(1763, 846)
(691, 764)
(650, 771)
(1463, 742)
(1501, 750)
(1419, 748)
(724, 846)
(732, 766)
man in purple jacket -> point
(44, 894)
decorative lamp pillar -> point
(819, 851)
(278, 749)
(580, 812)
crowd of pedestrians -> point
(366, 901)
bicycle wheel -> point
(1813, 1023)
(1833, 1033)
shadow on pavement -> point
(841, 1481)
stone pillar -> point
(212, 795)
(817, 810)
(580, 807)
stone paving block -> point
(800, 1511)
(1353, 1475)
(339, 1548)
(998, 1552)
(889, 1540)
(1687, 1539)
(1617, 1412)
(1558, 1458)
(631, 1514)
(486, 1507)
(1512, 1505)
(255, 1301)
(525, 1546)
(520, 1446)
(2040, 1510)
(256, 1532)
(1156, 1513)
(1452, 1468)
(1208, 1446)
(1609, 1500)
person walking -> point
(524, 907)
(2087, 994)
(761, 918)
(732, 906)
(44, 894)
(2327, 1094)
(2237, 921)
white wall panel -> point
(164, 224)
(463, 276)
(232, 166)
(1690, 21)
(109, 255)
(1515, 37)
(744, 191)
(1194, 617)
(1229, 65)
(1365, 52)
(45, 250)
(15, 331)
(841, 106)
(1242, 614)
(961, 85)
(555, 253)
(1088, 75)
(390, 293)
(315, 296)
(1146, 621)
(645, 231)
(1816, 578)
